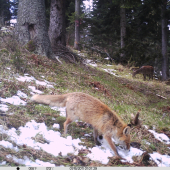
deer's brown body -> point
(146, 71)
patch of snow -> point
(26, 78)
(111, 71)
(66, 145)
(3, 107)
(128, 155)
(15, 100)
(87, 135)
(34, 90)
(63, 145)
(62, 110)
(145, 126)
(93, 64)
(21, 94)
(13, 21)
(161, 137)
(7, 144)
(101, 153)
(90, 62)
(56, 126)
(146, 142)
(40, 83)
(43, 83)
(49, 84)
(161, 160)
(81, 54)
(45, 164)
(3, 163)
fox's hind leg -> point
(70, 117)
(66, 123)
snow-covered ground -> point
(93, 64)
(90, 62)
(55, 140)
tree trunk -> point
(164, 41)
(122, 28)
(57, 28)
(5, 14)
(2, 23)
(31, 26)
(77, 25)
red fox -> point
(91, 110)
(146, 71)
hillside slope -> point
(28, 129)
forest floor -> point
(31, 134)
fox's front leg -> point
(112, 145)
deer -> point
(146, 71)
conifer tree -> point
(57, 26)
(77, 25)
(5, 13)
(31, 26)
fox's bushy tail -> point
(51, 100)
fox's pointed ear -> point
(126, 130)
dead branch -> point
(161, 96)
(66, 54)
(99, 51)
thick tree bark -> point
(31, 25)
(77, 25)
(164, 41)
(2, 23)
(122, 28)
(57, 28)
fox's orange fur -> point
(146, 71)
(93, 111)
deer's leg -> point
(144, 77)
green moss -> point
(45, 109)
(4, 50)
(31, 46)
(153, 147)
